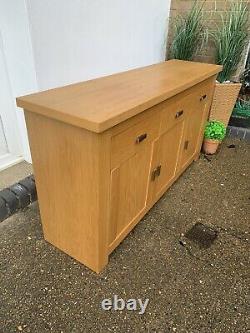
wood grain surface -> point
(100, 104)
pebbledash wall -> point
(212, 14)
(70, 41)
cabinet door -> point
(129, 187)
(194, 127)
(166, 151)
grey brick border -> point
(239, 132)
(17, 196)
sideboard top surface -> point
(102, 103)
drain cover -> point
(202, 234)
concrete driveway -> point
(190, 288)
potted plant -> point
(230, 39)
(215, 132)
(189, 34)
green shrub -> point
(242, 108)
(215, 130)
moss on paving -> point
(190, 289)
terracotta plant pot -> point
(224, 99)
(210, 146)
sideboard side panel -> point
(69, 166)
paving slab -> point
(13, 174)
(190, 288)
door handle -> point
(186, 143)
(141, 137)
(178, 114)
(156, 172)
(203, 97)
(153, 176)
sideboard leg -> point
(101, 265)
(196, 157)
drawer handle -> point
(156, 172)
(141, 137)
(186, 143)
(178, 114)
(203, 97)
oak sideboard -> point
(105, 150)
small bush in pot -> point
(215, 132)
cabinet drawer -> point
(174, 111)
(133, 139)
(179, 107)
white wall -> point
(75, 40)
(18, 55)
(49, 43)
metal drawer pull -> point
(203, 97)
(141, 137)
(156, 172)
(186, 143)
(179, 113)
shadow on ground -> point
(190, 289)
